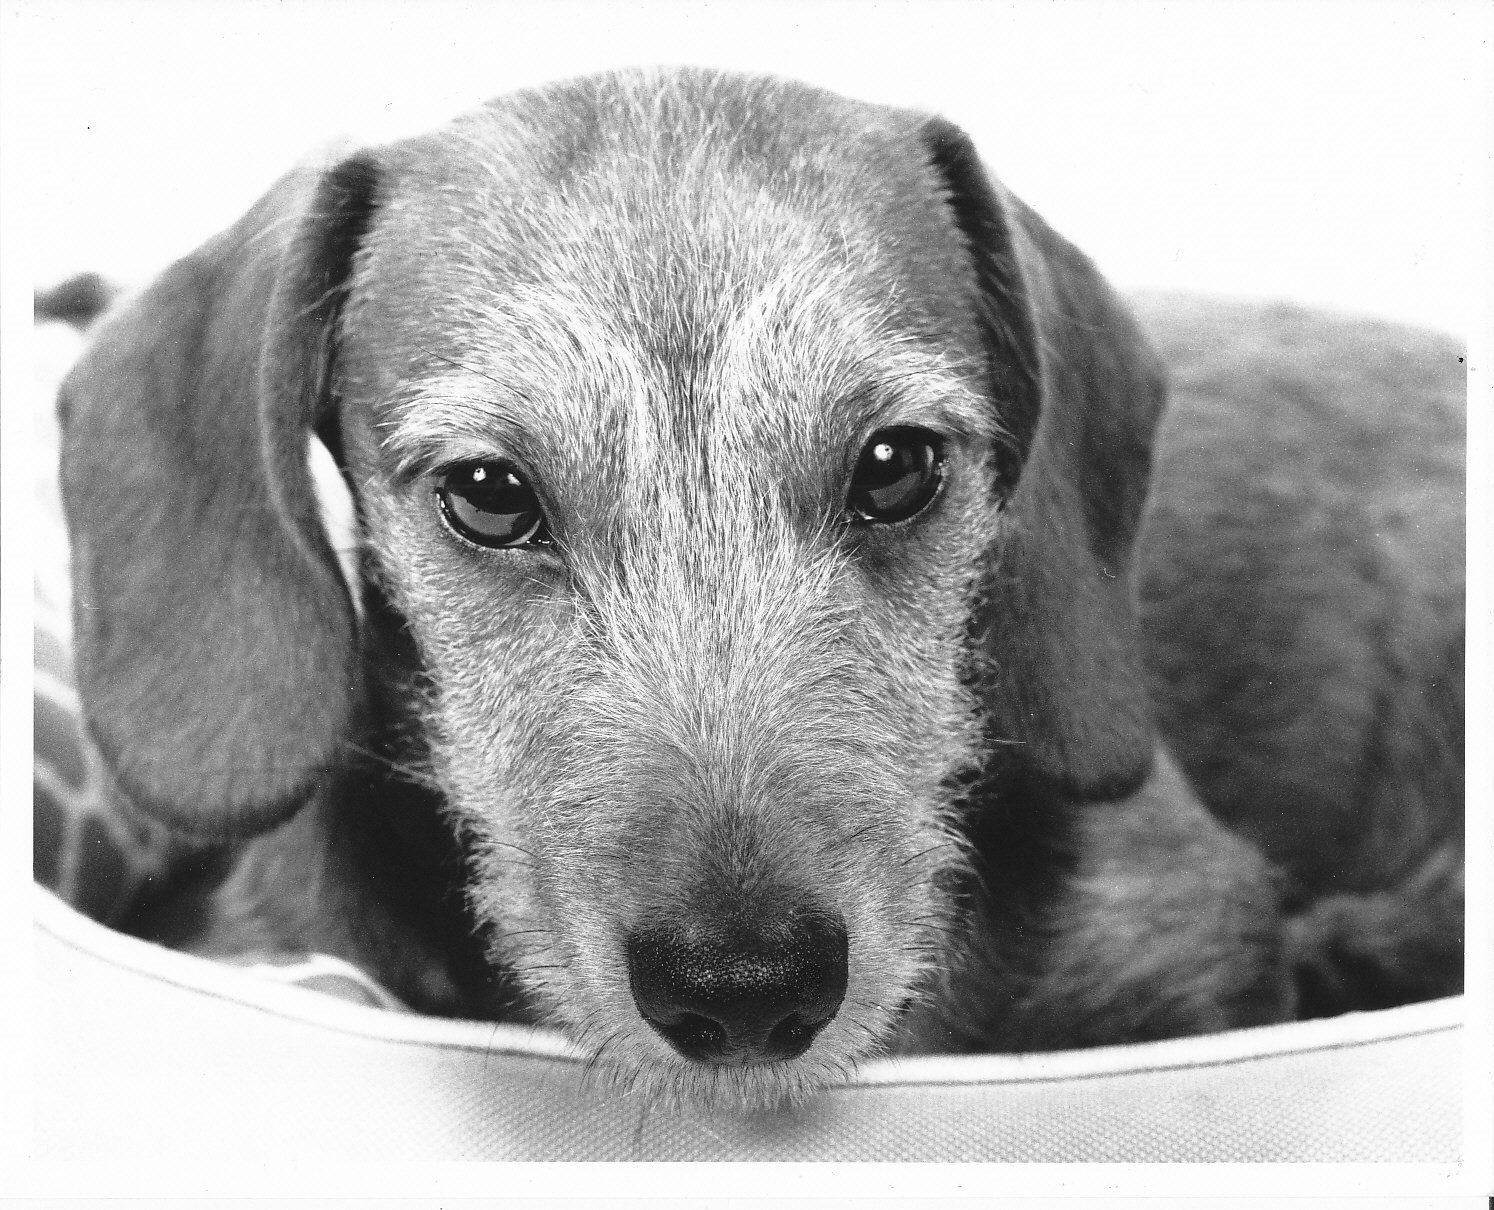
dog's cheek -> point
(492, 635)
(496, 719)
(915, 617)
(541, 803)
(916, 603)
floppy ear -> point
(1055, 629)
(214, 634)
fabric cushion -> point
(237, 1066)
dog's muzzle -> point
(743, 994)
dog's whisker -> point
(946, 844)
(419, 774)
(511, 863)
(506, 844)
(866, 829)
(451, 361)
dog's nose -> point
(744, 995)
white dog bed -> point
(193, 1058)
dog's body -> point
(732, 780)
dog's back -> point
(1302, 594)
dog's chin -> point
(672, 1083)
(631, 1061)
(641, 1064)
(593, 1005)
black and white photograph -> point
(881, 590)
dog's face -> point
(709, 711)
(693, 425)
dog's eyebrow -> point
(857, 355)
(931, 397)
(926, 391)
(453, 417)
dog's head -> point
(744, 463)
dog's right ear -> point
(214, 635)
(1079, 392)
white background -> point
(1323, 151)
(1326, 151)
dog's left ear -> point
(214, 635)
(1079, 389)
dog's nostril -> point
(739, 996)
(793, 1034)
(694, 1036)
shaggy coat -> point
(971, 749)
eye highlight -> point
(897, 476)
(491, 504)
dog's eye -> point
(897, 476)
(491, 504)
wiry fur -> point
(711, 682)
(681, 303)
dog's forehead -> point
(640, 165)
(662, 255)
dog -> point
(785, 625)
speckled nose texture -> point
(743, 995)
